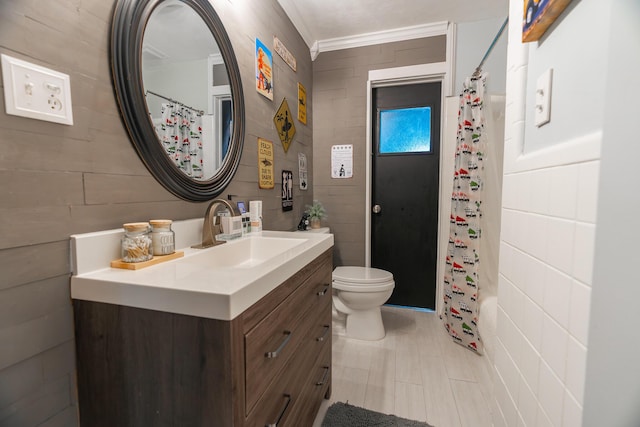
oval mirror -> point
(179, 92)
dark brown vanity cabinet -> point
(269, 366)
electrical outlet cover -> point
(36, 92)
(543, 98)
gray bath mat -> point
(344, 415)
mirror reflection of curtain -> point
(226, 126)
(181, 135)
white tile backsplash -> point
(572, 415)
(536, 274)
(532, 323)
(513, 300)
(551, 394)
(538, 235)
(546, 259)
(579, 312)
(538, 193)
(509, 334)
(560, 247)
(583, 252)
(575, 369)
(563, 189)
(507, 405)
(527, 403)
(587, 194)
(554, 345)
(542, 419)
(550, 202)
(507, 369)
(557, 296)
(530, 366)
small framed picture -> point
(538, 17)
(241, 207)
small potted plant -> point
(316, 212)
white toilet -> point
(358, 293)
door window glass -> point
(405, 130)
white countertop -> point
(200, 283)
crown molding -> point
(379, 37)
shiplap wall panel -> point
(27, 264)
(339, 105)
(58, 180)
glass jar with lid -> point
(162, 236)
(136, 242)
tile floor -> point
(415, 372)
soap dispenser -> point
(255, 214)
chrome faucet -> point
(212, 226)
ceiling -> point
(321, 20)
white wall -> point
(578, 74)
(548, 226)
(612, 386)
(187, 78)
(472, 41)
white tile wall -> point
(544, 295)
(546, 260)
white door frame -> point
(424, 73)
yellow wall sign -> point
(302, 104)
(284, 124)
(265, 163)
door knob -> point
(376, 209)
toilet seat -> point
(362, 279)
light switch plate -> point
(36, 92)
(543, 98)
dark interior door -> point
(405, 183)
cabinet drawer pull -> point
(323, 291)
(274, 354)
(286, 405)
(327, 328)
(324, 376)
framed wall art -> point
(538, 15)
(265, 164)
(302, 104)
(264, 70)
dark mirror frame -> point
(130, 19)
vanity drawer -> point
(276, 405)
(320, 332)
(273, 341)
(317, 385)
(287, 398)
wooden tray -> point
(153, 261)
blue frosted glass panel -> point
(405, 130)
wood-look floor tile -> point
(349, 385)
(409, 400)
(416, 371)
(408, 360)
(381, 398)
(440, 404)
(473, 409)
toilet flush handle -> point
(376, 209)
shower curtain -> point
(181, 135)
(461, 278)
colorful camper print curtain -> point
(461, 284)
(181, 135)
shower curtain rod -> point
(478, 70)
(177, 102)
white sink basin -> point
(218, 282)
(245, 253)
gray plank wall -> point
(58, 180)
(340, 113)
